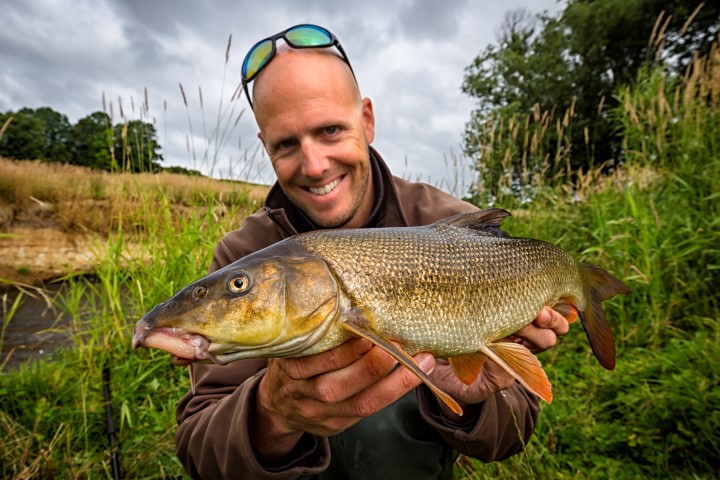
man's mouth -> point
(324, 190)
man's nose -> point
(314, 162)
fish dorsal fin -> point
(485, 221)
(355, 321)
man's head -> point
(316, 129)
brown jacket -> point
(213, 437)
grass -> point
(654, 222)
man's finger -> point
(386, 391)
(343, 383)
(333, 359)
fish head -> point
(275, 303)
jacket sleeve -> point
(213, 439)
(501, 428)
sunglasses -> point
(299, 36)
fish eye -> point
(239, 283)
(200, 291)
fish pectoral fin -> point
(567, 310)
(357, 323)
(467, 367)
(520, 362)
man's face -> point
(316, 130)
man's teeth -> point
(326, 189)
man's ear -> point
(368, 119)
(260, 136)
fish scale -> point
(446, 289)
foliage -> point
(91, 142)
(567, 67)
(654, 222)
(52, 412)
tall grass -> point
(52, 410)
(654, 223)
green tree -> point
(23, 139)
(136, 147)
(57, 135)
(544, 90)
(93, 136)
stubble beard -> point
(345, 217)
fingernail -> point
(427, 363)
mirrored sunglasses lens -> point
(308, 36)
(256, 59)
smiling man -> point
(348, 412)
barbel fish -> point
(453, 288)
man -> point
(347, 412)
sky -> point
(409, 57)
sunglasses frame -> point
(334, 42)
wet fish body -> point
(452, 288)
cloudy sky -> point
(409, 57)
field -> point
(654, 222)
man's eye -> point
(285, 144)
(331, 130)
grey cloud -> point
(423, 19)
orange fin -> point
(467, 367)
(599, 286)
(567, 310)
(356, 322)
(519, 362)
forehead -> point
(303, 83)
(297, 70)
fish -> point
(454, 288)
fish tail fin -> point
(600, 285)
(520, 362)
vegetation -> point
(92, 142)
(52, 412)
(545, 71)
(653, 220)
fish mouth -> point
(185, 347)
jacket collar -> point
(387, 209)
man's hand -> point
(539, 336)
(326, 393)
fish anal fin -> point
(467, 367)
(356, 322)
(519, 362)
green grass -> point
(655, 224)
(52, 410)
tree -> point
(57, 135)
(547, 86)
(93, 141)
(136, 147)
(23, 139)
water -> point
(37, 328)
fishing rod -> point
(114, 447)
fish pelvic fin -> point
(356, 322)
(484, 221)
(468, 367)
(600, 285)
(519, 362)
(567, 310)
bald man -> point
(347, 413)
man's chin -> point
(329, 220)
